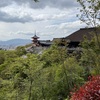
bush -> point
(89, 91)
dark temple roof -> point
(35, 36)
(45, 42)
(79, 35)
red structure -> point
(35, 40)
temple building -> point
(78, 36)
(35, 40)
(38, 43)
(74, 39)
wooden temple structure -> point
(35, 40)
(43, 43)
(73, 40)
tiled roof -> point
(47, 42)
(79, 35)
(35, 36)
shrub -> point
(89, 91)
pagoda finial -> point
(35, 40)
(35, 36)
(35, 32)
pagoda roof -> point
(35, 36)
(45, 42)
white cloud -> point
(42, 3)
(22, 14)
(50, 18)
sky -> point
(47, 18)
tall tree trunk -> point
(30, 89)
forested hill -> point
(14, 43)
(52, 75)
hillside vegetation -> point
(53, 75)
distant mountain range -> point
(10, 44)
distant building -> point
(43, 43)
(38, 46)
(35, 40)
(72, 41)
(79, 35)
(75, 38)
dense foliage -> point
(49, 76)
(89, 91)
(53, 74)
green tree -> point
(66, 72)
(20, 51)
(2, 57)
(90, 14)
(68, 75)
(54, 55)
(90, 57)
